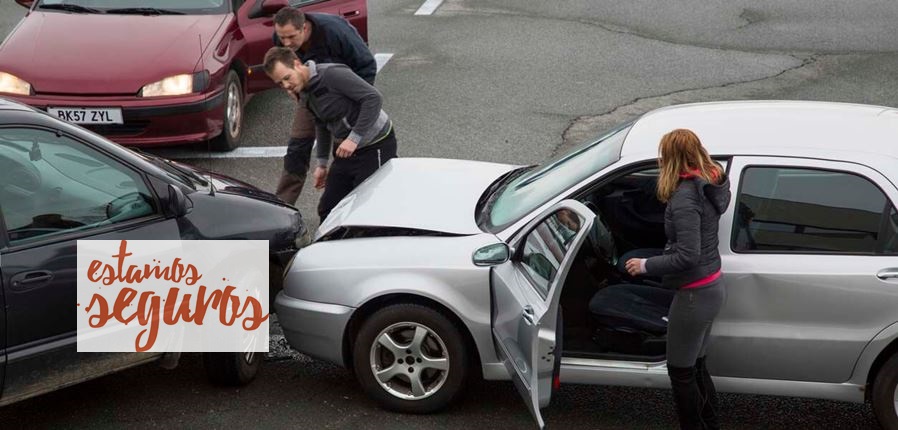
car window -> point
(50, 185)
(527, 192)
(812, 211)
(545, 247)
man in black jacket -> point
(348, 118)
(322, 38)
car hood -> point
(228, 185)
(62, 53)
(426, 194)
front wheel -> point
(885, 394)
(411, 358)
(232, 369)
(232, 129)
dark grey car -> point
(60, 184)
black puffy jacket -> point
(691, 225)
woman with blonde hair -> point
(696, 191)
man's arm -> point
(323, 147)
(354, 52)
(370, 101)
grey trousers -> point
(689, 322)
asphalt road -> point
(515, 81)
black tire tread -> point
(883, 394)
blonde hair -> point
(679, 152)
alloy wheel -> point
(233, 109)
(409, 360)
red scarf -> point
(692, 173)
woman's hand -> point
(635, 266)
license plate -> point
(88, 115)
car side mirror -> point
(491, 255)
(178, 205)
(267, 8)
(26, 3)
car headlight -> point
(12, 84)
(171, 86)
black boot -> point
(687, 397)
(709, 395)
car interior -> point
(607, 313)
(52, 188)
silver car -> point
(434, 271)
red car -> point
(149, 72)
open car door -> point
(525, 293)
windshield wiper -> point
(143, 11)
(76, 8)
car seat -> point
(631, 318)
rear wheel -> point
(411, 358)
(232, 129)
(885, 394)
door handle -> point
(528, 315)
(887, 274)
(23, 281)
(351, 14)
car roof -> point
(796, 128)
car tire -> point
(232, 127)
(233, 369)
(275, 284)
(885, 394)
(441, 345)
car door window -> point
(804, 210)
(545, 247)
(51, 184)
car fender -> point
(860, 374)
(472, 308)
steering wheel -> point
(601, 238)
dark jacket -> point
(691, 224)
(335, 40)
(344, 106)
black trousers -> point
(347, 173)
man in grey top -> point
(346, 110)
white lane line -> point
(429, 7)
(242, 152)
(249, 151)
(382, 60)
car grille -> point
(129, 128)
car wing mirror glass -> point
(178, 205)
(491, 255)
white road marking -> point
(242, 152)
(429, 7)
(248, 151)
(382, 60)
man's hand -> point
(346, 148)
(634, 266)
(320, 176)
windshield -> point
(142, 7)
(527, 192)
